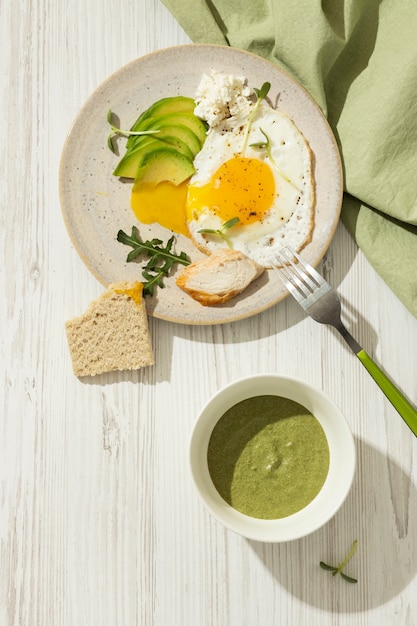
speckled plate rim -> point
(96, 205)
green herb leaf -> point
(339, 568)
(349, 579)
(230, 223)
(266, 145)
(115, 131)
(161, 259)
(152, 281)
(210, 231)
(222, 232)
(260, 95)
(328, 567)
(263, 91)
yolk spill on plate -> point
(164, 203)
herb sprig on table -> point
(338, 569)
(161, 258)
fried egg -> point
(259, 172)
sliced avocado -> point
(189, 120)
(174, 104)
(166, 129)
(128, 165)
(164, 164)
(181, 132)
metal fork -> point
(322, 303)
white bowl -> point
(341, 468)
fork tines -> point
(300, 278)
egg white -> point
(289, 220)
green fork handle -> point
(404, 408)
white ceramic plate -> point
(96, 204)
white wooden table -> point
(99, 524)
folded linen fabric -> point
(358, 60)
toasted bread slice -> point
(112, 334)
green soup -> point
(268, 457)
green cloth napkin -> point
(358, 59)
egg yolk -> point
(134, 292)
(163, 203)
(242, 187)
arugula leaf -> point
(161, 258)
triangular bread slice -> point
(112, 334)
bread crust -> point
(112, 334)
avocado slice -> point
(166, 129)
(181, 132)
(164, 164)
(174, 104)
(128, 165)
(191, 121)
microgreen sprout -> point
(222, 232)
(115, 131)
(267, 146)
(339, 568)
(260, 95)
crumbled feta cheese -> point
(221, 96)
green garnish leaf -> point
(260, 95)
(339, 568)
(266, 145)
(328, 567)
(152, 281)
(349, 579)
(222, 232)
(115, 132)
(263, 91)
(161, 259)
(230, 223)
